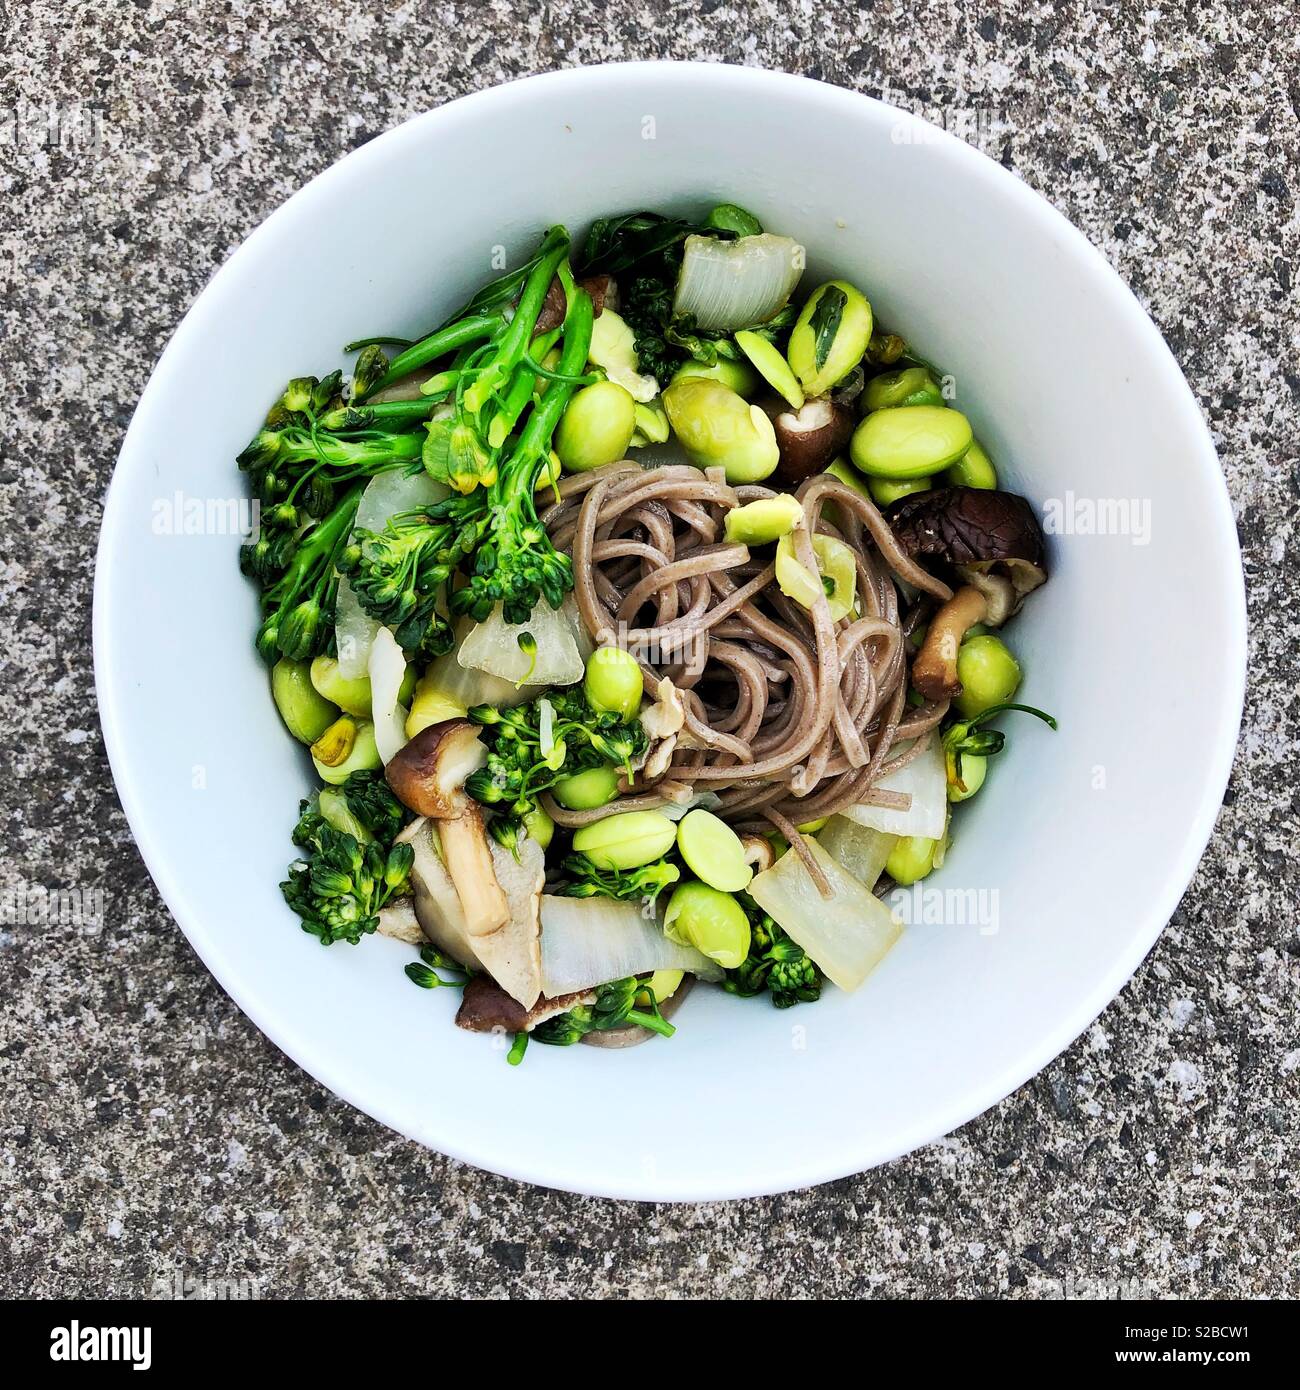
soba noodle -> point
(789, 715)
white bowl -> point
(1088, 837)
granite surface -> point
(142, 142)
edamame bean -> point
(728, 217)
(830, 336)
(596, 427)
(909, 441)
(973, 469)
(886, 490)
(613, 682)
(305, 711)
(773, 368)
(540, 826)
(739, 376)
(911, 859)
(712, 922)
(713, 852)
(662, 985)
(627, 841)
(335, 809)
(718, 428)
(911, 386)
(585, 791)
(764, 521)
(549, 474)
(989, 675)
(838, 577)
(350, 694)
(811, 827)
(974, 769)
(347, 746)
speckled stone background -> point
(149, 1133)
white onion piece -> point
(386, 493)
(545, 727)
(923, 779)
(354, 631)
(387, 667)
(581, 637)
(847, 934)
(465, 686)
(857, 848)
(493, 646)
(736, 284)
(590, 941)
(395, 491)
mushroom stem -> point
(934, 672)
(469, 863)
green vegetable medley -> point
(452, 542)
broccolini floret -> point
(587, 880)
(775, 963)
(614, 1007)
(519, 768)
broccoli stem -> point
(651, 1021)
(467, 330)
(513, 343)
(381, 413)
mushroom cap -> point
(810, 437)
(967, 526)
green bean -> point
(713, 852)
(712, 922)
(586, 791)
(613, 682)
(989, 675)
(718, 428)
(911, 386)
(764, 521)
(627, 841)
(973, 469)
(305, 711)
(909, 441)
(350, 694)
(911, 859)
(830, 336)
(347, 746)
(596, 427)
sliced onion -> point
(735, 284)
(354, 632)
(545, 727)
(590, 941)
(386, 493)
(493, 646)
(387, 667)
(857, 848)
(847, 934)
(924, 781)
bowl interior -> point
(1064, 869)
